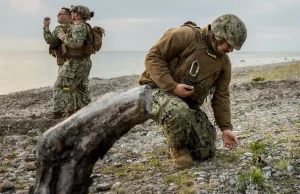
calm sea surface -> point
(32, 69)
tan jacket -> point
(168, 63)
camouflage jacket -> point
(179, 47)
(52, 37)
(77, 36)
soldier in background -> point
(71, 87)
(183, 67)
(64, 19)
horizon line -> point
(145, 51)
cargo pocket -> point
(67, 76)
(202, 137)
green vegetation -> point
(3, 169)
(257, 177)
(183, 180)
(155, 163)
(32, 140)
(295, 152)
(258, 79)
(284, 72)
(282, 165)
(253, 176)
(12, 155)
(257, 148)
(229, 156)
(159, 151)
(119, 190)
(243, 180)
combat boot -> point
(181, 157)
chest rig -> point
(201, 68)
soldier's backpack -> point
(94, 42)
(98, 33)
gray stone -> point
(31, 180)
(103, 187)
(290, 169)
(232, 182)
(117, 184)
(222, 178)
(200, 179)
(202, 192)
(22, 192)
(173, 187)
(267, 168)
(248, 154)
(7, 185)
(29, 166)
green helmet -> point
(231, 28)
(83, 11)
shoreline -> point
(236, 71)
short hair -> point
(67, 11)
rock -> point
(22, 192)
(116, 185)
(7, 185)
(202, 192)
(251, 191)
(30, 166)
(291, 169)
(103, 187)
(200, 179)
(31, 180)
(267, 168)
(248, 154)
(222, 178)
(173, 187)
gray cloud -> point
(136, 24)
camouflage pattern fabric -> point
(77, 36)
(83, 11)
(50, 38)
(231, 28)
(71, 87)
(183, 126)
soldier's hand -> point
(47, 21)
(61, 34)
(183, 90)
(229, 139)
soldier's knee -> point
(180, 110)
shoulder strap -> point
(196, 30)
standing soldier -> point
(71, 87)
(63, 18)
(183, 67)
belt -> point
(77, 57)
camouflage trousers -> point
(183, 126)
(71, 87)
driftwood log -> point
(67, 152)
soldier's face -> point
(62, 17)
(74, 15)
(225, 47)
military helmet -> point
(231, 28)
(83, 11)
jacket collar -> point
(210, 50)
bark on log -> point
(67, 152)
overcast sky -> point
(273, 25)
